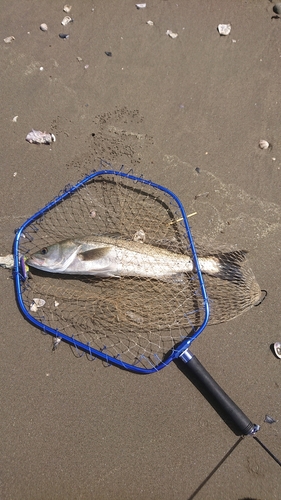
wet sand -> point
(188, 113)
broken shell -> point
(66, 20)
(56, 342)
(140, 5)
(63, 35)
(38, 137)
(171, 34)
(56, 303)
(43, 27)
(277, 349)
(9, 39)
(224, 29)
(15, 119)
(277, 9)
(36, 303)
(7, 261)
(264, 144)
(150, 23)
(139, 236)
(269, 420)
(67, 8)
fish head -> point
(54, 258)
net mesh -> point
(136, 320)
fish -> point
(114, 257)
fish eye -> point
(44, 251)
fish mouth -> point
(34, 262)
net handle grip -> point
(242, 423)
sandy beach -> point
(188, 113)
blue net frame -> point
(21, 278)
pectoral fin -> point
(95, 254)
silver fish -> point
(107, 256)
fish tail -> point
(231, 265)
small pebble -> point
(63, 35)
(269, 420)
(43, 27)
(109, 54)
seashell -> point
(269, 420)
(9, 39)
(139, 236)
(56, 303)
(56, 342)
(140, 5)
(36, 303)
(63, 35)
(277, 349)
(38, 137)
(43, 27)
(264, 144)
(224, 29)
(66, 20)
(150, 23)
(67, 8)
(109, 54)
(7, 261)
(15, 119)
(277, 9)
(171, 34)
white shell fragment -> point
(66, 20)
(38, 137)
(171, 34)
(9, 39)
(67, 8)
(150, 23)
(140, 5)
(43, 27)
(36, 303)
(15, 119)
(56, 342)
(264, 144)
(139, 236)
(224, 29)
(7, 261)
(277, 349)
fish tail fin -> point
(231, 265)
